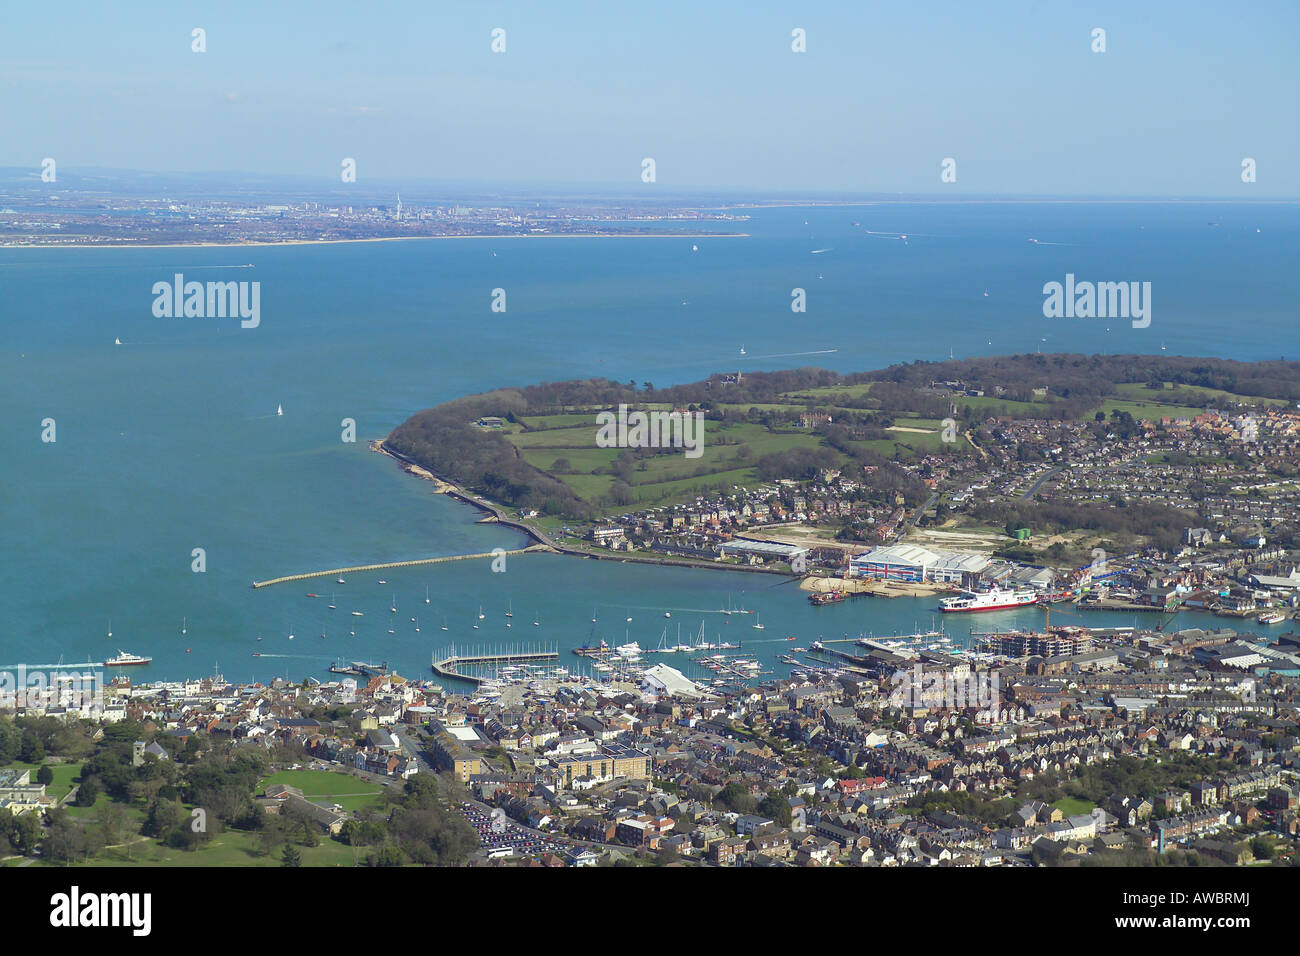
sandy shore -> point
(335, 242)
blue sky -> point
(710, 90)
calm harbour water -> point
(170, 441)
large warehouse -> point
(909, 562)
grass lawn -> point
(665, 477)
(1187, 394)
(228, 848)
(1149, 411)
(1071, 806)
(328, 786)
(831, 392)
(990, 404)
(63, 775)
(133, 816)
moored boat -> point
(127, 659)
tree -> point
(736, 798)
(88, 792)
(31, 750)
(290, 856)
(45, 775)
(778, 809)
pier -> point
(448, 663)
(398, 564)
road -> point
(1033, 489)
(910, 523)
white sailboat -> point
(756, 625)
(184, 626)
(393, 609)
(426, 594)
(110, 627)
(279, 409)
(444, 623)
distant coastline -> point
(330, 242)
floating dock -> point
(450, 663)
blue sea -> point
(170, 441)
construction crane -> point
(1047, 615)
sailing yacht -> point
(279, 409)
(510, 611)
(444, 623)
(110, 627)
(426, 594)
(417, 626)
(480, 612)
(757, 625)
(332, 606)
(393, 609)
(184, 626)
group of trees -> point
(202, 789)
(445, 441)
(1161, 525)
(416, 827)
(1080, 381)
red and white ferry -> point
(996, 599)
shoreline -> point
(493, 515)
(334, 242)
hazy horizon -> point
(875, 104)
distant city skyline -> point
(583, 94)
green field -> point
(831, 392)
(228, 848)
(1147, 411)
(662, 478)
(989, 404)
(569, 436)
(1188, 394)
(64, 773)
(329, 787)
